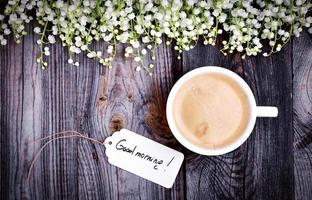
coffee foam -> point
(211, 110)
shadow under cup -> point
(217, 133)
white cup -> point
(255, 111)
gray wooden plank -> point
(262, 168)
(11, 76)
(19, 119)
(272, 149)
(128, 99)
(31, 126)
(61, 86)
(302, 119)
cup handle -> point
(266, 111)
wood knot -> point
(130, 98)
(156, 120)
(103, 98)
(101, 102)
(117, 123)
(239, 70)
(95, 156)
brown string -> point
(56, 134)
(76, 134)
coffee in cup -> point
(212, 111)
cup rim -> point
(201, 150)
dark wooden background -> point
(274, 163)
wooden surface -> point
(274, 163)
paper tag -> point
(143, 157)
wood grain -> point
(271, 146)
(90, 99)
(262, 168)
(274, 163)
(302, 87)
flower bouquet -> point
(142, 25)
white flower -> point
(240, 48)
(78, 43)
(157, 34)
(143, 51)
(91, 54)
(83, 20)
(70, 61)
(108, 37)
(137, 59)
(72, 49)
(123, 37)
(84, 47)
(129, 50)
(51, 39)
(158, 16)
(246, 23)
(54, 30)
(281, 32)
(131, 16)
(158, 41)
(128, 9)
(136, 44)
(109, 50)
(59, 4)
(279, 47)
(99, 53)
(3, 42)
(6, 31)
(37, 30)
(222, 18)
(145, 39)
(77, 50)
(47, 53)
(77, 38)
(138, 29)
